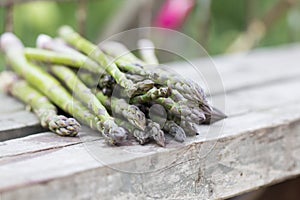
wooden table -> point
(257, 145)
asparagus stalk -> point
(180, 110)
(143, 86)
(120, 107)
(83, 93)
(169, 126)
(62, 59)
(46, 42)
(147, 51)
(44, 109)
(118, 50)
(151, 95)
(89, 79)
(50, 87)
(135, 78)
(128, 62)
(211, 114)
(73, 38)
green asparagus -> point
(181, 110)
(151, 95)
(121, 107)
(175, 130)
(141, 136)
(154, 130)
(62, 59)
(44, 109)
(188, 89)
(50, 87)
(84, 94)
(73, 38)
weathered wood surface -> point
(259, 144)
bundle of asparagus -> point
(49, 74)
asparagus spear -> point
(169, 126)
(119, 106)
(189, 128)
(180, 110)
(154, 130)
(73, 38)
(62, 59)
(50, 87)
(118, 50)
(151, 95)
(211, 114)
(135, 78)
(128, 62)
(147, 51)
(141, 136)
(44, 109)
(175, 130)
(69, 78)
(46, 42)
(89, 79)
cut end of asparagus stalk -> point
(65, 30)
(64, 126)
(7, 78)
(42, 41)
(9, 40)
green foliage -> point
(227, 21)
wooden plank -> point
(18, 124)
(44, 141)
(9, 105)
(247, 155)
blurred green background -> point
(214, 24)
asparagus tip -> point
(154, 130)
(141, 136)
(136, 117)
(64, 126)
(119, 135)
(179, 134)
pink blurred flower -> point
(173, 13)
